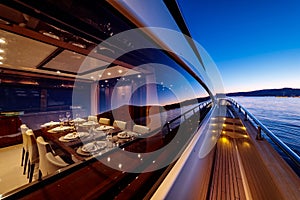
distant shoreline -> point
(283, 92)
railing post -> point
(168, 127)
(246, 116)
(239, 108)
(258, 135)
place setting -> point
(59, 129)
(73, 136)
(104, 128)
(50, 124)
(91, 148)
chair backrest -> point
(140, 129)
(43, 148)
(104, 121)
(121, 124)
(92, 118)
(32, 147)
(24, 128)
(54, 162)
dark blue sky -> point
(255, 44)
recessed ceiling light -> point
(106, 81)
(1, 63)
(100, 75)
(120, 71)
(1, 58)
(108, 73)
(2, 41)
(58, 72)
(1, 51)
(139, 76)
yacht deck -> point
(246, 168)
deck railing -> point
(198, 107)
(260, 126)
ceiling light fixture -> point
(51, 35)
(1, 51)
(120, 71)
(78, 45)
(1, 58)
(108, 73)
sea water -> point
(281, 115)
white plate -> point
(93, 146)
(70, 136)
(78, 120)
(89, 123)
(104, 128)
(50, 124)
(59, 129)
(131, 133)
(123, 135)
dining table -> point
(80, 141)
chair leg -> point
(31, 172)
(29, 169)
(40, 175)
(25, 163)
(23, 155)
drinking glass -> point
(109, 140)
(68, 115)
(61, 119)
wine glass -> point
(68, 115)
(61, 119)
(109, 140)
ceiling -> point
(30, 46)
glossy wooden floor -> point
(239, 173)
(264, 173)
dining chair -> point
(49, 163)
(33, 154)
(104, 121)
(92, 118)
(140, 129)
(24, 128)
(120, 124)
